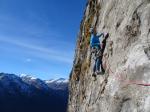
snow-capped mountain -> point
(24, 82)
(38, 83)
(32, 94)
(56, 84)
(13, 84)
(59, 84)
(60, 80)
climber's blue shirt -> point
(95, 40)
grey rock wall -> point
(125, 87)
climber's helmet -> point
(91, 30)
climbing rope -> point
(127, 82)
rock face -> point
(125, 87)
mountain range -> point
(25, 93)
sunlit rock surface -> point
(125, 87)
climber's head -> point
(93, 30)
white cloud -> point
(28, 60)
(42, 52)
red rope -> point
(140, 83)
(129, 82)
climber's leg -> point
(98, 65)
(101, 64)
(94, 69)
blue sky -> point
(38, 37)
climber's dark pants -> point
(98, 63)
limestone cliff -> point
(125, 87)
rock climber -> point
(97, 50)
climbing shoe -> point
(93, 75)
